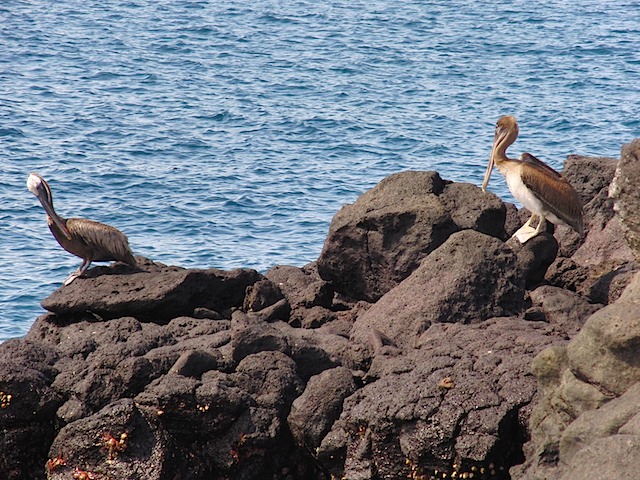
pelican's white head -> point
(40, 188)
(35, 183)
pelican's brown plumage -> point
(90, 240)
(542, 190)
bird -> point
(87, 239)
(537, 186)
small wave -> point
(11, 132)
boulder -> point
(602, 265)
(591, 177)
(470, 278)
(314, 412)
(604, 352)
(183, 427)
(565, 309)
(535, 257)
(28, 404)
(611, 457)
(302, 287)
(229, 424)
(260, 295)
(310, 297)
(194, 363)
(157, 294)
(312, 350)
(599, 423)
(409, 350)
(112, 442)
(380, 240)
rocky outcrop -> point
(405, 351)
(455, 403)
(378, 241)
(476, 278)
(590, 410)
(158, 293)
(585, 425)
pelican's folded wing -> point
(106, 242)
(556, 193)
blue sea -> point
(227, 134)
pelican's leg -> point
(81, 269)
(542, 224)
(528, 224)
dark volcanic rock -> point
(470, 278)
(313, 413)
(195, 362)
(27, 408)
(84, 444)
(159, 294)
(535, 257)
(310, 297)
(378, 241)
(590, 177)
(567, 310)
(234, 424)
(165, 373)
(303, 287)
(180, 427)
(260, 295)
(602, 265)
(312, 350)
(458, 399)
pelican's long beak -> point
(487, 174)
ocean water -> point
(226, 134)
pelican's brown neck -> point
(504, 139)
(500, 150)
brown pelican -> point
(87, 239)
(542, 190)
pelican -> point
(542, 190)
(87, 239)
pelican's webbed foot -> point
(527, 232)
(71, 278)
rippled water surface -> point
(227, 134)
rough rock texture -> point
(582, 426)
(624, 191)
(453, 404)
(158, 293)
(378, 241)
(592, 398)
(314, 412)
(309, 296)
(405, 351)
(603, 263)
(468, 266)
(563, 308)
